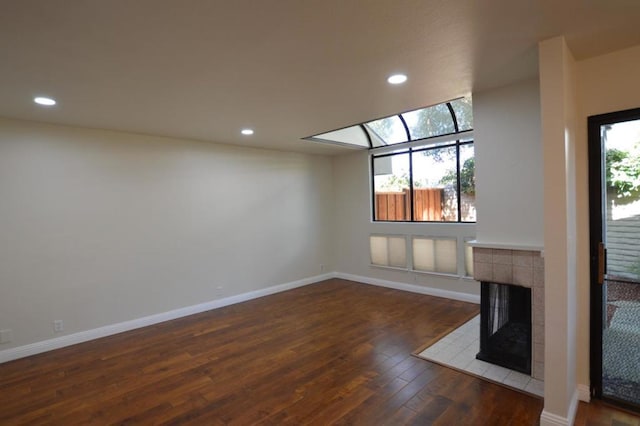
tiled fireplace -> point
(523, 268)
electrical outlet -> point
(321, 268)
(6, 336)
(58, 326)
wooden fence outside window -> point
(395, 206)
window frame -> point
(417, 147)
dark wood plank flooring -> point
(336, 352)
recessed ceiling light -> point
(246, 132)
(397, 79)
(40, 100)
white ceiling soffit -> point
(286, 68)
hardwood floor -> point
(336, 352)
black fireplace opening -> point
(505, 326)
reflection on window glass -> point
(391, 187)
(464, 113)
(467, 183)
(435, 192)
(390, 129)
(429, 122)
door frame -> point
(596, 183)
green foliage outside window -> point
(467, 177)
(623, 171)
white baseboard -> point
(584, 393)
(448, 294)
(108, 330)
(573, 407)
(550, 419)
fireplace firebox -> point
(505, 326)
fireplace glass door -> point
(505, 326)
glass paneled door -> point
(614, 164)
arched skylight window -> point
(462, 112)
(354, 135)
(387, 131)
(448, 118)
(429, 122)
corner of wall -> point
(550, 419)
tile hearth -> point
(458, 349)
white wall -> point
(100, 227)
(353, 226)
(509, 180)
(558, 100)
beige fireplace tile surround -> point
(524, 268)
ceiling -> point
(205, 69)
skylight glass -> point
(353, 135)
(447, 118)
(464, 114)
(390, 130)
(429, 122)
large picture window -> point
(425, 184)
